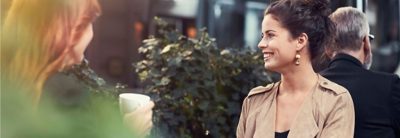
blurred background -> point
(234, 23)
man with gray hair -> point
(376, 95)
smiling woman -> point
(293, 34)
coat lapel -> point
(266, 119)
(305, 125)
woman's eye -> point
(269, 35)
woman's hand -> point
(140, 120)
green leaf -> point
(165, 81)
(166, 49)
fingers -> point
(140, 120)
(144, 113)
(149, 105)
(144, 109)
(141, 124)
(148, 129)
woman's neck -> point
(301, 78)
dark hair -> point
(309, 17)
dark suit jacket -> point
(376, 96)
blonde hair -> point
(36, 36)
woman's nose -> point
(262, 44)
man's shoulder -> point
(366, 80)
(361, 72)
(377, 76)
(383, 74)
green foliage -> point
(97, 85)
(198, 87)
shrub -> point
(198, 88)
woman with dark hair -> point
(302, 104)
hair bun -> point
(319, 6)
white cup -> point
(129, 102)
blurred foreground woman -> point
(43, 37)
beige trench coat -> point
(327, 113)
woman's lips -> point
(267, 55)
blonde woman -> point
(43, 37)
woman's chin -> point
(272, 66)
(268, 66)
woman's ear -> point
(302, 41)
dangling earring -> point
(297, 58)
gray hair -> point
(351, 28)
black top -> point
(376, 96)
(66, 90)
(282, 134)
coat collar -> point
(342, 57)
(323, 84)
(305, 124)
(262, 89)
